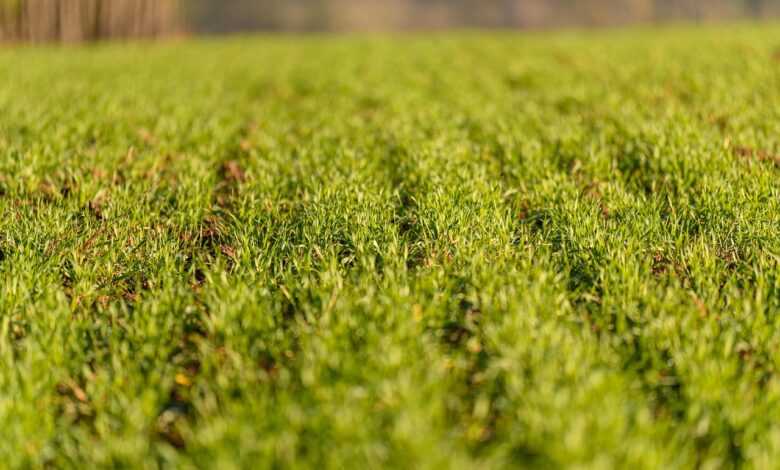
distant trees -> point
(212, 16)
(370, 14)
(84, 20)
(756, 7)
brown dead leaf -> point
(146, 136)
(757, 154)
(700, 306)
(48, 190)
(228, 251)
(72, 388)
(79, 393)
(99, 173)
(233, 172)
(660, 264)
(96, 205)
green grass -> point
(434, 251)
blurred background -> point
(83, 20)
(338, 15)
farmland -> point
(417, 251)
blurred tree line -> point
(80, 20)
(234, 15)
(85, 20)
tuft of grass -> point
(431, 251)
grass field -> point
(432, 251)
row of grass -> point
(434, 251)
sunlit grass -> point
(432, 251)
